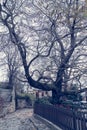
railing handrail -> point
(64, 118)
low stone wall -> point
(7, 108)
(6, 103)
(6, 94)
(48, 123)
(22, 103)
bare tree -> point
(13, 65)
(50, 36)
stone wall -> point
(6, 94)
(22, 103)
(6, 102)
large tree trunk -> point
(56, 93)
(14, 97)
(55, 97)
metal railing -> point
(66, 119)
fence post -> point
(83, 121)
(1, 106)
(74, 120)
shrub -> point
(45, 100)
(30, 98)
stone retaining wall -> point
(22, 103)
(6, 103)
(6, 94)
(48, 123)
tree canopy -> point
(51, 37)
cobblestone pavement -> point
(21, 120)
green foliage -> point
(74, 97)
(74, 105)
(45, 100)
(27, 97)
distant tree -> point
(13, 65)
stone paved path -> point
(21, 120)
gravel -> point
(21, 120)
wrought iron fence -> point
(66, 119)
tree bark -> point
(14, 97)
(10, 82)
